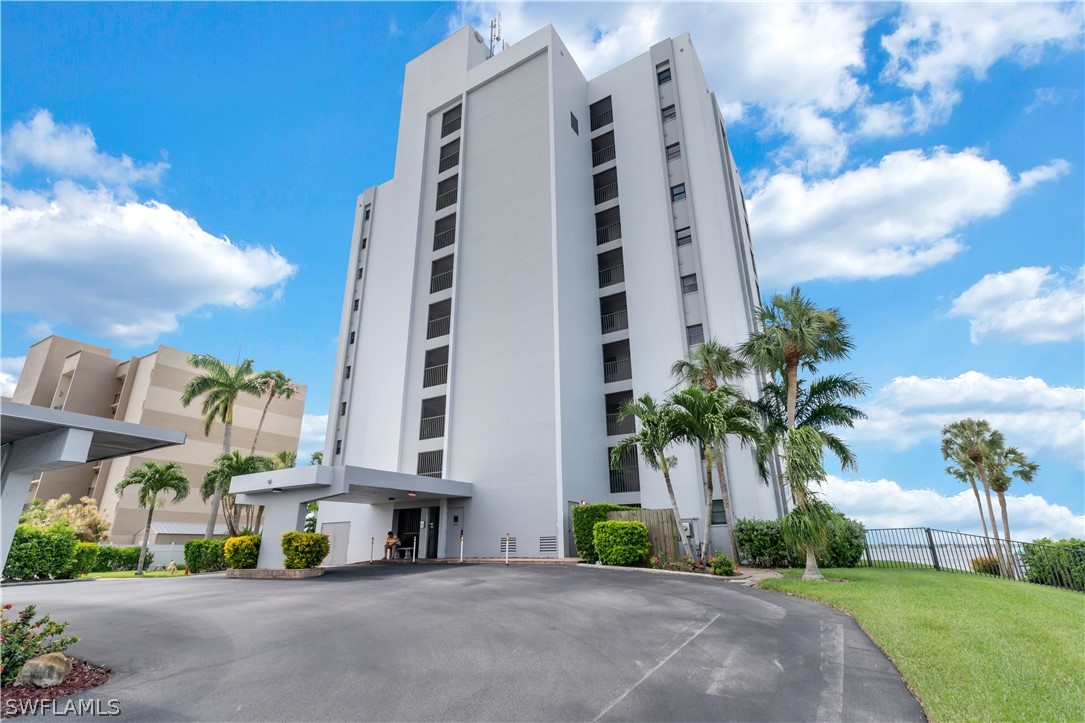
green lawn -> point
(132, 573)
(971, 647)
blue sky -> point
(185, 174)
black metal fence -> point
(922, 547)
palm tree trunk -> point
(259, 426)
(983, 520)
(146, 538)
(707, 503)
(725, 492)
(792, 371)
(216, 499)
(812, 572)
(1006, 529)
(674, 509)
(260, 518)
(1003, 563)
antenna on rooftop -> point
(495, 33)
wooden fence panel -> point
(662, 531)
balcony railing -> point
(602, 155)
(445, 238)
(606, 234)
(616, 371)
(606, 193)
(434, 473)
(603, 119)
(448, 162)
(435, 375)
(612, 275)
(444, 200)
(624, 426)
(626, 479)
(451, 126)
(615, 321)
(432, 427)
(438, 327)
(440, 282)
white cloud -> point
(896, 218)
(936, 45)
(10, 369)
(314, 428)
(884, 503)
(122, 269)
(1042, 97)
(1030, 304)
(70, 151)
(1031, 414)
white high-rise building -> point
(548, 247)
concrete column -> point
(442, 534)
(283, 512)
(16, 487)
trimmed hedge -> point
(205, 555)
(760, 544)
(117, 559)
(242, 552)
(41, 553)
(86, 557)
(621, 542)
(1059, 564)
(304, 549)
(584, 519)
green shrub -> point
(41, 553)
(760, 544)
(26, 638)
(682, 564)
(721, 564)
(205, 555)
(1059, 564)
(86, 557)
(621, 542)
(242, 552)
(986, 565)
(584, 519)
(304, 549)
(116, 559)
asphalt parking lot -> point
(471, 643)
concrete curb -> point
(20, 583)
(701, 575)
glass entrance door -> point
(433, 532)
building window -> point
(450, 121)
(359, 272)
(664, 76)
(574, 123)
(444, 232)
(364, 242)
(678, 192)
(356, 304)
(601, 113)
(683, 237)
(695, 334)
(367, 212)
(674, 152)
(446, 192)
(338, 446)
(430, 463)
(669, 113)
(347, 375)
(450, 156)
(719, 517)
(342, 409)
(689, 284)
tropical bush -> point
(986, 565)
(26, 638)
(721, 564)
(205, 555)
(242, 552)
(304, 549)
(760, 544)
(584, 519)
(621, 542)
(88, 524)
(41, 553)
(682, 564)
(1060, 564)
(116, 559)
(86, 556)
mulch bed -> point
(84, 676)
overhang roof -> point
(352, 484)
(111, 437)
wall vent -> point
(548, 545)
(511, 541)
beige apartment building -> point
(79, 377)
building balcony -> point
(617, 370)
(624, 426)
(612, 275)
(432, 427)
(440, 282)
(438, 327)
(604, 118)
(435, 376)
(450, 161)
(446, 199)
(606, 193)
(444, 239)
(602, 155)
(615, 321)
(625, 479)
(451, 125)
(606, 234)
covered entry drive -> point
(357, 508)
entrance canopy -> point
(349, 484)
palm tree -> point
(964, 471)
(316, 458)
(795, 334)
(657, 432)
(216, 483)
(220, 387)
(1004, 464)
(285, 459)
(972, 439)
(273, 383)
(808, 527)
(153, 479)
(821, 407)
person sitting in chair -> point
(390, 544)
